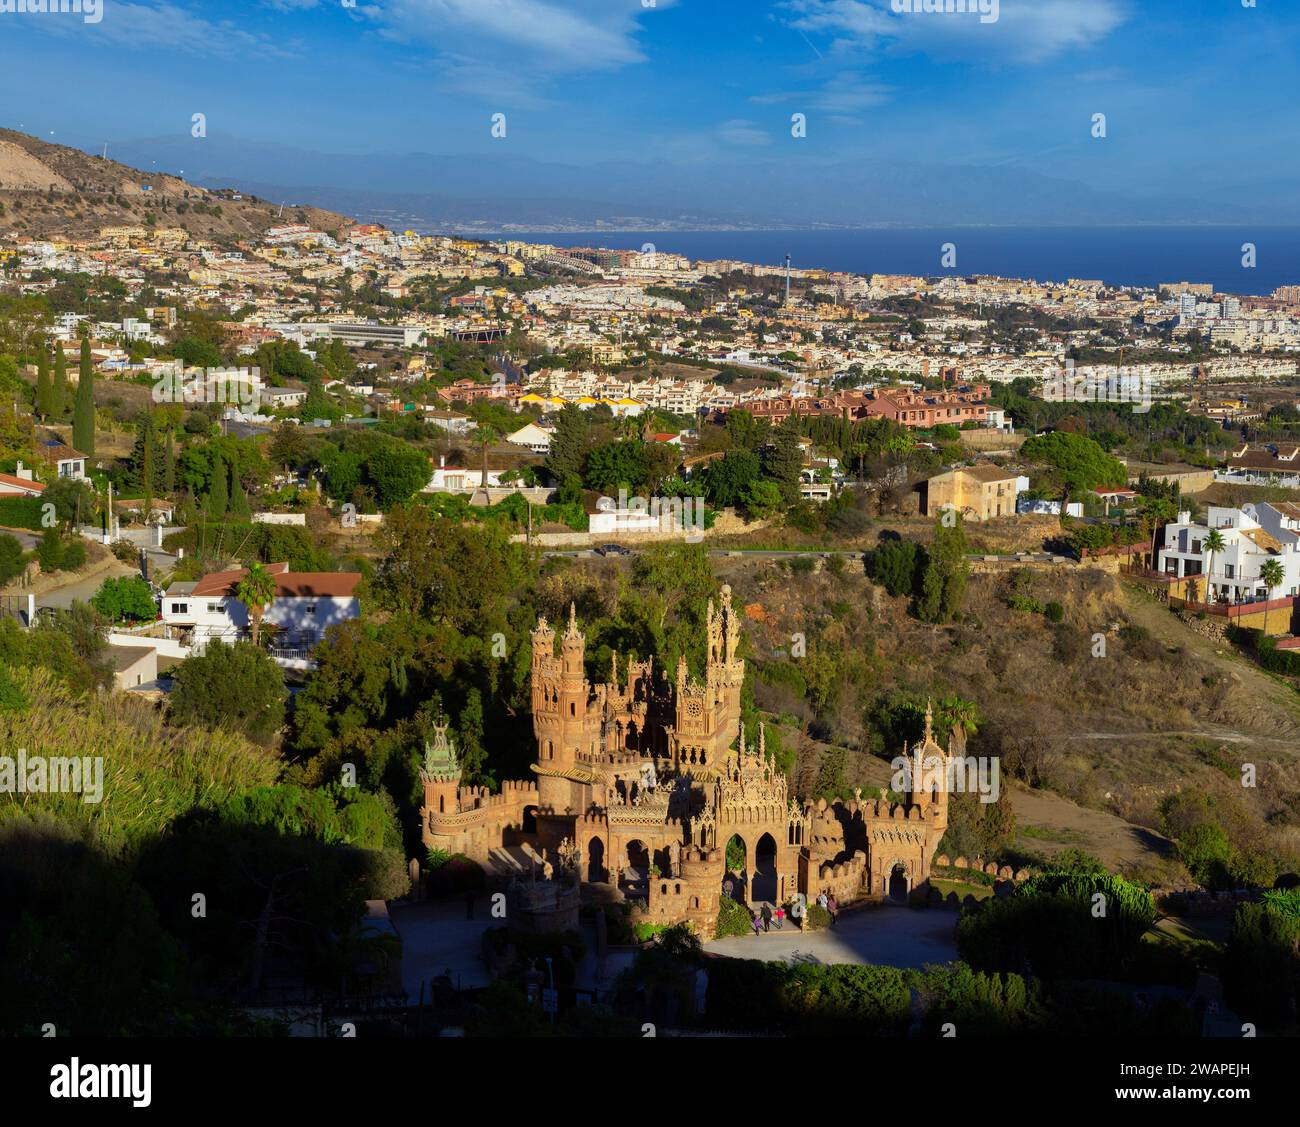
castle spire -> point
(762, 741)
(929, 721)
(573, 622)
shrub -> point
(818, 918)
(74, 555)
(11, 558)
(458, 874)
(1025, 603)
(1055, 612)
(733, 919)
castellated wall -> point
(483, 822)
(843, 879)
(692, 896)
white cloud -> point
(567, 36)
(741, 132)
(1026, 31)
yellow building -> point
(976, 492)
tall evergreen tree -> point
(44, 388)
(83, 413)
(239, 507)
(218, 491)
(59, 393)
(169, 466)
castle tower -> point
(440, 774)
(930, 774)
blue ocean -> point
(1134, 256)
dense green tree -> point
(782, 461)
(237, 688)
(126, 597)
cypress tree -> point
(59, 393)
(218, 494)
(169, 466)
(239, 507)
(83, 413)
(44, 388)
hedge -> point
(21, 512)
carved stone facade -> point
(645, 780)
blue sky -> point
(1198, 94)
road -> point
(82, 589)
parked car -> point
(614, 550)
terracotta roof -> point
(289, 584)
(22, 482)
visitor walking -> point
(756, 923)
(821, 899)
(832, 906)
(766, 913)
(780, 917)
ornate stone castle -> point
(642, 781)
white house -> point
(20, 483)
(66, 461)
(305, 605)
(1248, 542)
(531, 437)
(458, 479)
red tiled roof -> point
(34, 486)
(289, 584)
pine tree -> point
(59, 393)
(83, 413)
(218, 493)
(44, 388)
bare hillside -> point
(53, 191)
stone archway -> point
(736, 869)
(596, 871)
(765, 877)
(898, 883)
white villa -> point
(306, 603)
(1251, 535)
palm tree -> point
(255, 591)
(1214, 542)
(1272, 575)
(1155, 511)
(485, 435)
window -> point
(1229, 571)
(215, 608)
(310, 608)
(180, 608)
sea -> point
(1118, 256)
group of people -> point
(763, 919)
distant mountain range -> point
(503, 192)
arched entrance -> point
(596, 860)
(637, 860)
(898, 883)
(736, 874)
(765, 882)
(530, 820)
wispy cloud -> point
(170, 27)
(1026, 31)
